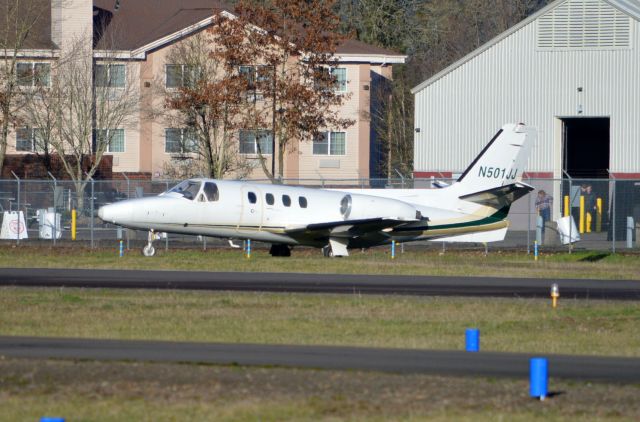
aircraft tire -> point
(148, 250)
(327, 251)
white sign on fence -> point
(13, 226)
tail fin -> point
(501, 162)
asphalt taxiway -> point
(322, 283)
(441, 362)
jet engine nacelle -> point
(360, 207)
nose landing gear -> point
(148, 249)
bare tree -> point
(20, 23)
(85, 111)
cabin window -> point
(211, 191)
(302, 201)
(269, 198)
(286, 200)
(252, 197)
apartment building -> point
(140, 35)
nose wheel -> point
(148, 249)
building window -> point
(28, 139)
(326, 77)
(255, 75)
(113, 137)
(250, 140)
(181, 75)
(340, 75)
(330, 143)
(33, 74)
(180, 141)
(109, 75)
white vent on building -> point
(584, 24)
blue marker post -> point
(248, 248)
(535, 250)
(472, 340)
(50, 419)
(393, 249)
(121, 249)
(538, 378)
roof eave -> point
(486, 46)
(371, 58)
(617, 4)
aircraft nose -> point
(120, 212)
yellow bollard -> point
(581, 214)
(73, 224)
(588, 220)
(566, 205)
(598, 214)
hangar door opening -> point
(585, 158)
(585, 142)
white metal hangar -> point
(572, 70)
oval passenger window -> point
(302, 201)
(252, 197)
(286, 200)
(269, 199)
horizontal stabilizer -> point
(499, 197)
(480, 237)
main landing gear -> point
(148, 249)
(327, 252)
(280, 250)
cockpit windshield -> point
(189, 189)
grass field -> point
(374, 261)
(514, 325)
(97, 391)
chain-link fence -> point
(606, 211)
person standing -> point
(543, 207)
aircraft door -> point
(252, 209)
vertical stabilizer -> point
(501, 162)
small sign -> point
(13, 226)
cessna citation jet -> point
(473, 209)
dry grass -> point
(95, 391)
(516, 325)
(374, 261)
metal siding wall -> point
(512, 82)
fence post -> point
(128, 197)
(529, 219)
(92, 207)
(613, 214)
(55, 211)
(18, 209)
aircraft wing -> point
(345, 229)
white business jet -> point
(473, 209)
